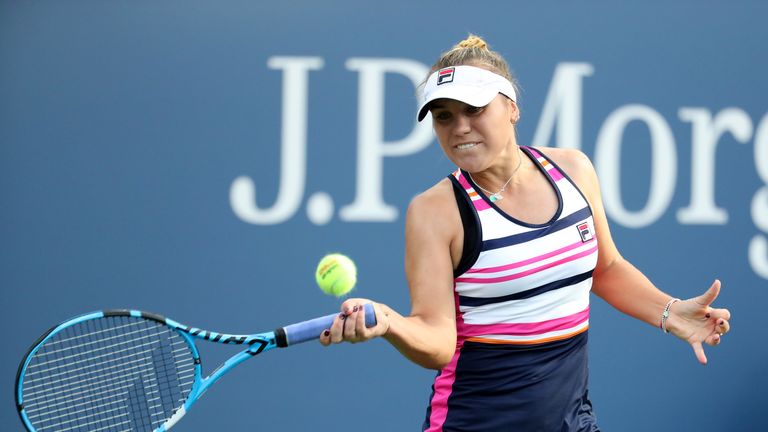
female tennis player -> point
(501, 257)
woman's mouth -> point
(466, 146)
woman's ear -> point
(514, 112)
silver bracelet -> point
(665, 314)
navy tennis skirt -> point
(499, 387)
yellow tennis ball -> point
(336, 274)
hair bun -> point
(474, 51)
(472, 41)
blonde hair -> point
(474, 51)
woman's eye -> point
(474, 110)
(442, 115)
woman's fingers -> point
(337, 329)
(699, 351)
(710, 295)
(350, 322)
(723, 327)
(348, 326)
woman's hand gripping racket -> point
(127, 370)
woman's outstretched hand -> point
(697, 322)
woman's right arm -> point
(428, 335)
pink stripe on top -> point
(531, 271)
(553, 172)
(526, 262)
(556, 174)
(479, 203)
(524, 329)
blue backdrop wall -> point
(197, 158)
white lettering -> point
(562, 111)
(293, 164)
(705, 135)
(369, 204)
(562, 107)
(663, 164)
(758, 246)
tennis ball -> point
(336, 274)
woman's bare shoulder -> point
(434, 201)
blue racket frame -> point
(257, 344)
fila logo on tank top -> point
(530, 283)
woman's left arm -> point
(627, 289)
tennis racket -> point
(127, 370)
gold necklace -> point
(497, 196)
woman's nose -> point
(462, 125)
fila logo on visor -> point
(584, 232)
(445, 75)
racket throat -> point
(173, 420)
(257, 346)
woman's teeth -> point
(465, 146)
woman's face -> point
(472, 137)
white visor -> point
(469, 84)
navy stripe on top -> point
(561, 224)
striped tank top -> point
(522, 314)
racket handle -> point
(310, 330)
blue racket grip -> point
(310, 330)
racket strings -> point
(90, 359)
(92, 336)
(109, 377)
(108, 374)
(93, 340)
